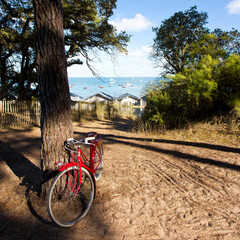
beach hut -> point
(143, 101)
(74, 100)
(100, 97)
(128, 98)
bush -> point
(203, 89)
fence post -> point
(79, 111)
(131, 109)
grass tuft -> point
(223, 129)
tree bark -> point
(56, 119)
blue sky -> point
(137, 17)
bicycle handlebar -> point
(81, 141)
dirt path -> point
(150, 188)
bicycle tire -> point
(98, 157)
(68, 201)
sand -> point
(151, 188)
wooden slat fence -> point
(19, 113)
(105, 110)
(25, 113)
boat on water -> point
(112, 80)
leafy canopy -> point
(201, 71)
(174, 38)
(87, 29)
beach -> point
(151, 187)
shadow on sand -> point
(37, 225)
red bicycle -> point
(72, 191)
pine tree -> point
(56, 121)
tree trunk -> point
(56, 119)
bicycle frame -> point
(80, 159)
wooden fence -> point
(19, 113)
(24, 113)
(85, 110)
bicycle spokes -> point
(73, 180)
(69, 199)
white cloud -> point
(136, 24)
(135, 53)
(147, 49)
(143, 51)
(234, 7)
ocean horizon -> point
(116, 86)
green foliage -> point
(158, 106)
(229, 83)
(208, 44)
(86, 29)
(233, 41)
(204, 88)
(174, 38)
(198, 86)
(201, 71)
(16, 49)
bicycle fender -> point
(67, 166)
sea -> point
(115, 87)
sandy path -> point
(150, 189)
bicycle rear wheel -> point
(98, 162)
(68, 199)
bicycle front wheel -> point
(69, 198)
